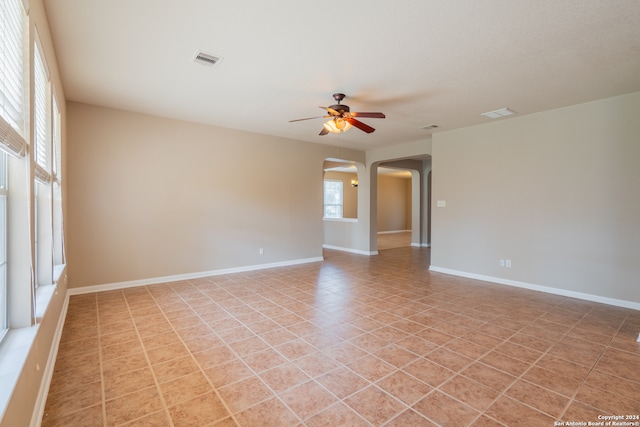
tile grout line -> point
(277, 395)
(100, 358)
(146, 356)
(224, 403)
(517, 378)
(593, 367)
(255, 374)
(270, 346)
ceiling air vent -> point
(496, 114)
(206, 59)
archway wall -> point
(415, 156)
(351, 234)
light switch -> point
(441, 203)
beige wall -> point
(151, 197)
(394, 203)
(556, 192)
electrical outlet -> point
(501, 263)
(261, 251)
(508, 263)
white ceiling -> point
(418, 61)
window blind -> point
(57, 140)
(11, 141)
(42, 113)
(12, 32)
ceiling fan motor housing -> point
(340, 108)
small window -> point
(333, 199)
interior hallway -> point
(353, 340)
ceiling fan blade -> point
(331, 111)
(360, 125)
(369, 115)
(323, 132)
(308, 118)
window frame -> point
(339, 202)
(14, 109)
(4, 312)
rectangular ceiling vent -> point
(206, 59)
(498, 113)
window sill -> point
(340, 219)
(44, 293)
(58, 269)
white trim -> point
(394, 231)
(324, 218)
(421, 245)
(47, 375)
(556, 291)
(350, 250)
(188, 276)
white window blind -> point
(12, 36)
(57, 140)
(42, 126)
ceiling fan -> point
(341, 118)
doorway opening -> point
(394, 207)
(400, 207)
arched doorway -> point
(416, 199)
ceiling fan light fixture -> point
(341, 119)
(337, 125)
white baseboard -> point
(547, 289)
(421, 245)
(188, 276)
(350, 250)
(394, 231)
(47, 375)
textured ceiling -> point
(420, 62)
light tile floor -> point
(351, 341)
